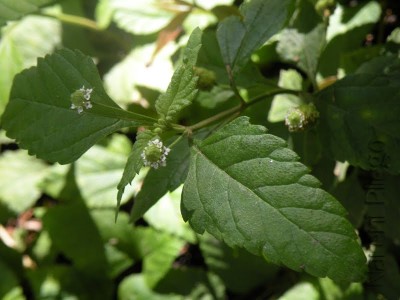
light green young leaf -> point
(290, 79)
(135, 287)
(13, 10)
(141, 17)
(99, 170)
(158, 182)
(248, 189)
(359, 120)
(21, 44)
(303, 49)
(166, 216)
(182, 89)
(159, 261)
(238, 39)
(39, 114)
(134, 163)
(20, 175)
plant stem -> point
(233, 84)
(238, 109)
(117, 113)
(215, 118)
(75, 20)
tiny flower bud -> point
(301, 117)
(207, 79)
(80, 99)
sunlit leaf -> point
(238, 39)
(40, 111)
(247, 189)
(20, 175)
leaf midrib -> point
(199, 152)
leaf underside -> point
(246, 188)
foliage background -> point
(58, 239)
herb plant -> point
(269, 152)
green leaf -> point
(9, 285)
(135, 287)
(182, 89)
(74, 233)
(246, 188)
(281, 103)
(11, 60)
(99, 170)
(302, 290)
(261, 20)
(21, 44)
(359, 121)
(123, 80)
(20, 175)
(141, 17)
(347, 29)
(159, 261)
(227, 263)
(166, 216)
(134, 163)
(13, 10)
(160, 181)
(39, 114)
(303, 48)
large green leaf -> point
(360, 120)
(39, 116)
(261, 20)
(13, 10)
(182, 89)
(246, 188)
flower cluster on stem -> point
(81, 99)
(155, 154)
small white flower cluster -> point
(295, 119)
(78, 103)
(161, 152)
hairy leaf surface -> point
(238, 39)
(246, 188)
(182, 89)
(39, 114)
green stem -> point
(175, 142)
(74, 20)
(215, 118)
(238, 109)
(233, 84)
(117, 113)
